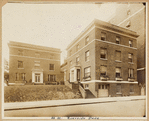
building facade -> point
(133, 17)
(103, 59)
(33, 64)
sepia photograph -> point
(74, 60)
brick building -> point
(33, 64)
(103, 60)
(133, 17)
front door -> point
(102, 90)
(78, 74)
(37, 77)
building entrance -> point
(103, 90)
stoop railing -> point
(83, 92)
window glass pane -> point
(118, 40)
(118, 72)
(130, 43)
(99, 86)
(102, 86)
(103, 53)
(103, 36)
(87, 72)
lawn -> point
(38, 93)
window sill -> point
(87, 61)
(103, 59)
(51, 70)
(130, 62)
(118, 61)
(119, 93)
(131, 92)
(20, 68)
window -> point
(22, 76)
(52, 78)
(130, 43)
(131, 73)
(87, 55)
(51, 66)
(118, 72)
(87, 72)
(77, 47)
(20, 64)
(118, 40)
(20, 52)
(102, 86)
(103, 70)
(37, 55)
(103, 53)
(86, 40)
(77, 60)
(17, 76)
(118, 88)
(131, 88)
(118, 55)
(103, 36)
(130, 57)
(99, 86)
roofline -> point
(104, 25)
(32, 46)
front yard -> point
(38, 92)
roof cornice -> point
(31, 46)
(104, 25)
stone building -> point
(33, 64)
(102, 60)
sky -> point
(51, 25)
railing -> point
(83, 92)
